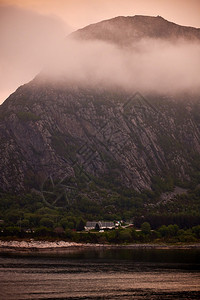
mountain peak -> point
(125, 30)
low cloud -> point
(31, 42)
(147, 66)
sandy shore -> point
(62, 246)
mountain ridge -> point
(69, 134)
(148, 26)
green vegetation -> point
(63, 214)
(154, 220)
(165, 234)
(146, 228)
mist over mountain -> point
(117, 106)
(147, 54)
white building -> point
(100, 225)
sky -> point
(79, 13)
(30, 29)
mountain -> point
(127, 30)
(74, 137)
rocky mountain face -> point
(60, 133)
(75, 135)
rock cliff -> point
(70, 134)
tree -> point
(24, 223)
(80, 226)
(146, 228)
(97, 228)
(43, 231)
(163, 230)
(196, 230)
(173, 230)
(46, 222)
(134, 234)
(125, 235)
(12, 231)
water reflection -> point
(103, 274)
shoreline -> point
(34, 246)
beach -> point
(38, 246)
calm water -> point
(107, 274)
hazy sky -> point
(79, 13)
(29, 29)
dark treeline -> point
(182, 220)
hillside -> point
(78, 136)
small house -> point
(99, 225)
(103, 225)
(90, 225)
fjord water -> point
(102, 274)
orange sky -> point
(79, 13)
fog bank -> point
(146, 66)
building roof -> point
(105, 224)
(102, 224)
(91, 223)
